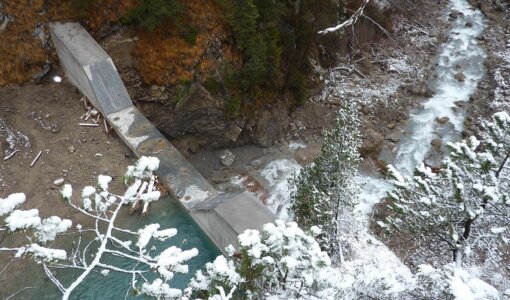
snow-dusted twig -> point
(23, 289)
(105, 211)
(11, 155)
(352, 19)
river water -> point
(168, 213)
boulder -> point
(227, 158)
(437, 143)
(198, 115)
(372, 143)
(442, 120)
(460, 77)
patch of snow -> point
(293, 146)
(67, 191)
(8, 204)
(46, 254)
(88, 191)
(23, 219)
(171, 261)
(145, 235)
(49, 228)
(143, 168)
(194, 194)
(14, 139)
(103, 181)
(150, 196)
(160, 290)
(464, 286)
(123, 120)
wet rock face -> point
(199, 120)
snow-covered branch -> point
(352, 19)
(103, 207)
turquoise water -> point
(166, 212)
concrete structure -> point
(91, 70)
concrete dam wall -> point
(88, 67)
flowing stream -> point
(459, 68)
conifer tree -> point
(466, 205)
(325, 189)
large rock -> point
(437, 143)
(227, 158)
(198, 115)
(268, 126)
(373, 143)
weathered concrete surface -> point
(230, 216)
(177, 173)
(91, 70)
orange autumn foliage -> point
(164, 57)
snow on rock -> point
(160, 290)
(464, 286)
(12, 201)
(194, 194)
(50, 227)
(23, 219)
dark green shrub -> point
(151, 13)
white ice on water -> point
(277, 173)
